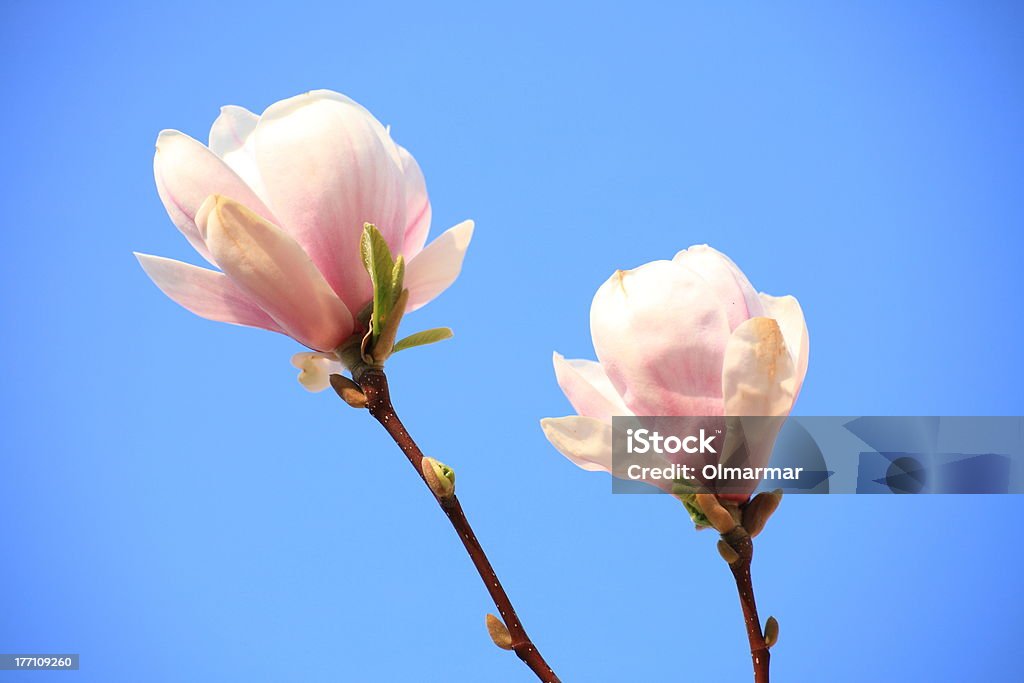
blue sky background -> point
(174, 507)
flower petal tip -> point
(166, 135)
(464, 232)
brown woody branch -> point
(374, 384)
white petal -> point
(316, 369)
(269, 266)
(231, 129)
(726, 279)
(787, 312)
(588, 388)
(435, 268)
(232, 139)
(206, 293)
(660, 334)
(584, 440)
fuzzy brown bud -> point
(499, 632)
(350, 392)
(727, 552)
(758, 510)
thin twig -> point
(739, 540)
(375, 385)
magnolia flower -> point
(686, 337)
(277, 203)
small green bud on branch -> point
(439, 477)
(771, 632)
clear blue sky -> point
(174, 507)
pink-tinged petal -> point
(435, 268)
(758, 376)
(328, 167)
(186, 173)
(417, 206)
(206, 293)
(588, 388)
(726, 279)
(231, 129)
(269, 266)
(232, 139)
(586, 441)
(787, 312)
(660, 334)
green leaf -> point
(398, 276)
(431, 336)
(380, 267)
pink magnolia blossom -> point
(277, 204)
(686, 337)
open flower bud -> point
(686, 337)
(277, 203)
